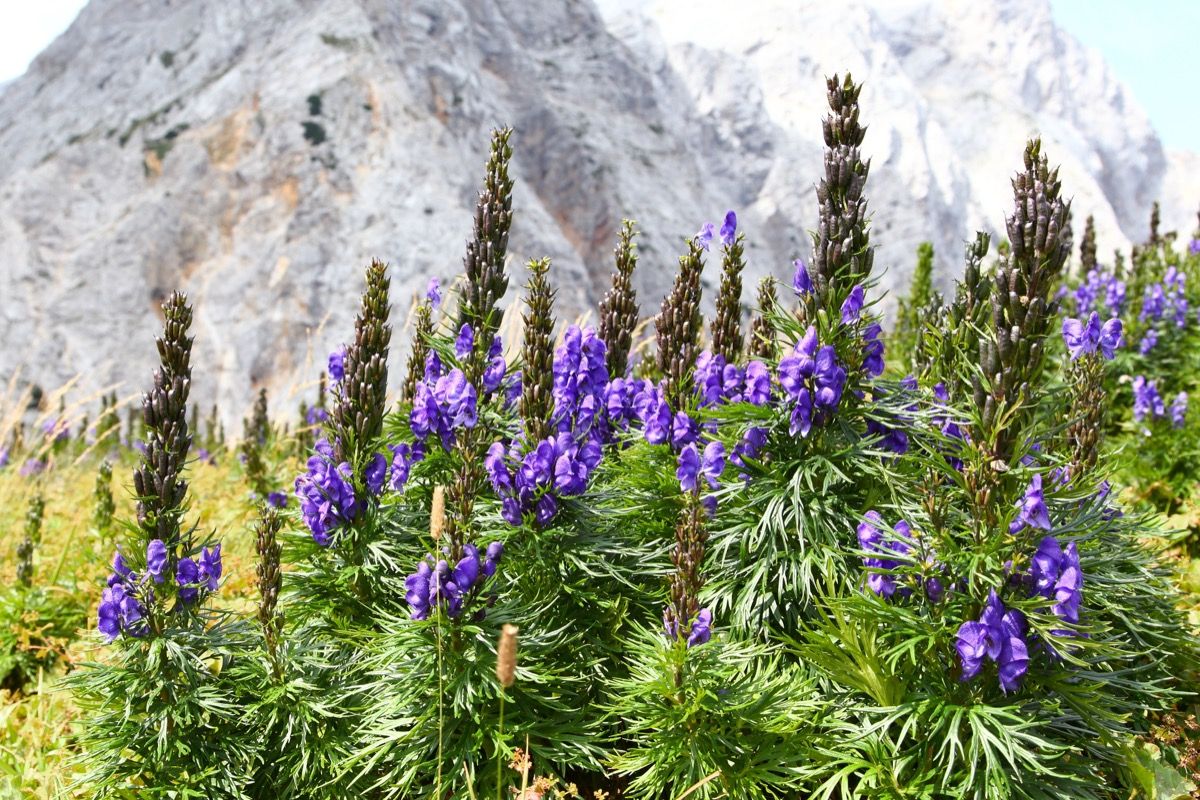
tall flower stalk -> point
(486, 280)
(537, 354)
(619, 308)
(727, 327)
(762, 332)
(678, 326)
(362, 392)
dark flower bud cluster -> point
(361, 377)
(619, 308)
(269, 579)
(256, 434)
(33, 537)
(454, 590)
(727, 327)
(158, 481)
(102, 514)
(537, 355)
(1087, 247)
(683, 619)
(678, 324)
(842, 251)
(486, 280)
(1011, 359)
(762, 332)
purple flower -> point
(1031, 510)
(1068, 589)
(3, 457)
(705, 235)
(497, 469)
(210, 566)
(873, 350)
(375, 473)
(871, 540)
(337, 365)
(187, 575)
(1146, 399)
(277, 500)
(32, 466)
(702, 627)
(757, 389)
(156, 560)
(729, 228)
(830, 378)
(465, 342)
(801, 282)
(402, 460)
(120, 611)
(433, 294)
(416, 590)
(852, 306)
(689, 468)
(1149, 340)
(1046, 565)
(972, 646)
(684, 430)
(1179, 410)
(655, 415)
(713, 463)
(1110, 338)
(326, 495)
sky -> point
(1149, 44)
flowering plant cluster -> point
(436, 585)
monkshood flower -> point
(326, 494)
(1194, 247)
(651, 408)
(375, 474)
(852, 305)
(729, 228)
(277, 500)
(1149, 340)
(156, 560)
(801, 280)
(580, 380)
(554, 468)
(873, 350)
(31, 467)
(210, 567)
(337, 365)
(1031, 509)
(497, 368)
(693, 465)
(699, 632)
(1154, 303)
(999, 636)
(315, 415)
(437, 585)
(1146, 400)
(1179, 409)
(442, 406)
(402, 461)
(465, 343)
(718, 383)
(750, 446)
(704, 236)
(205, 457)
(1056, 574)
(120, 611)
(1083, 338)
(871, 539)
(813, 380)
(433, 293)
(56, 430)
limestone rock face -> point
(258, 153)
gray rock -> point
(257, 154)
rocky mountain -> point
(257, 153)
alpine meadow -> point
(783, 551)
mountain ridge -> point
(258, 154)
